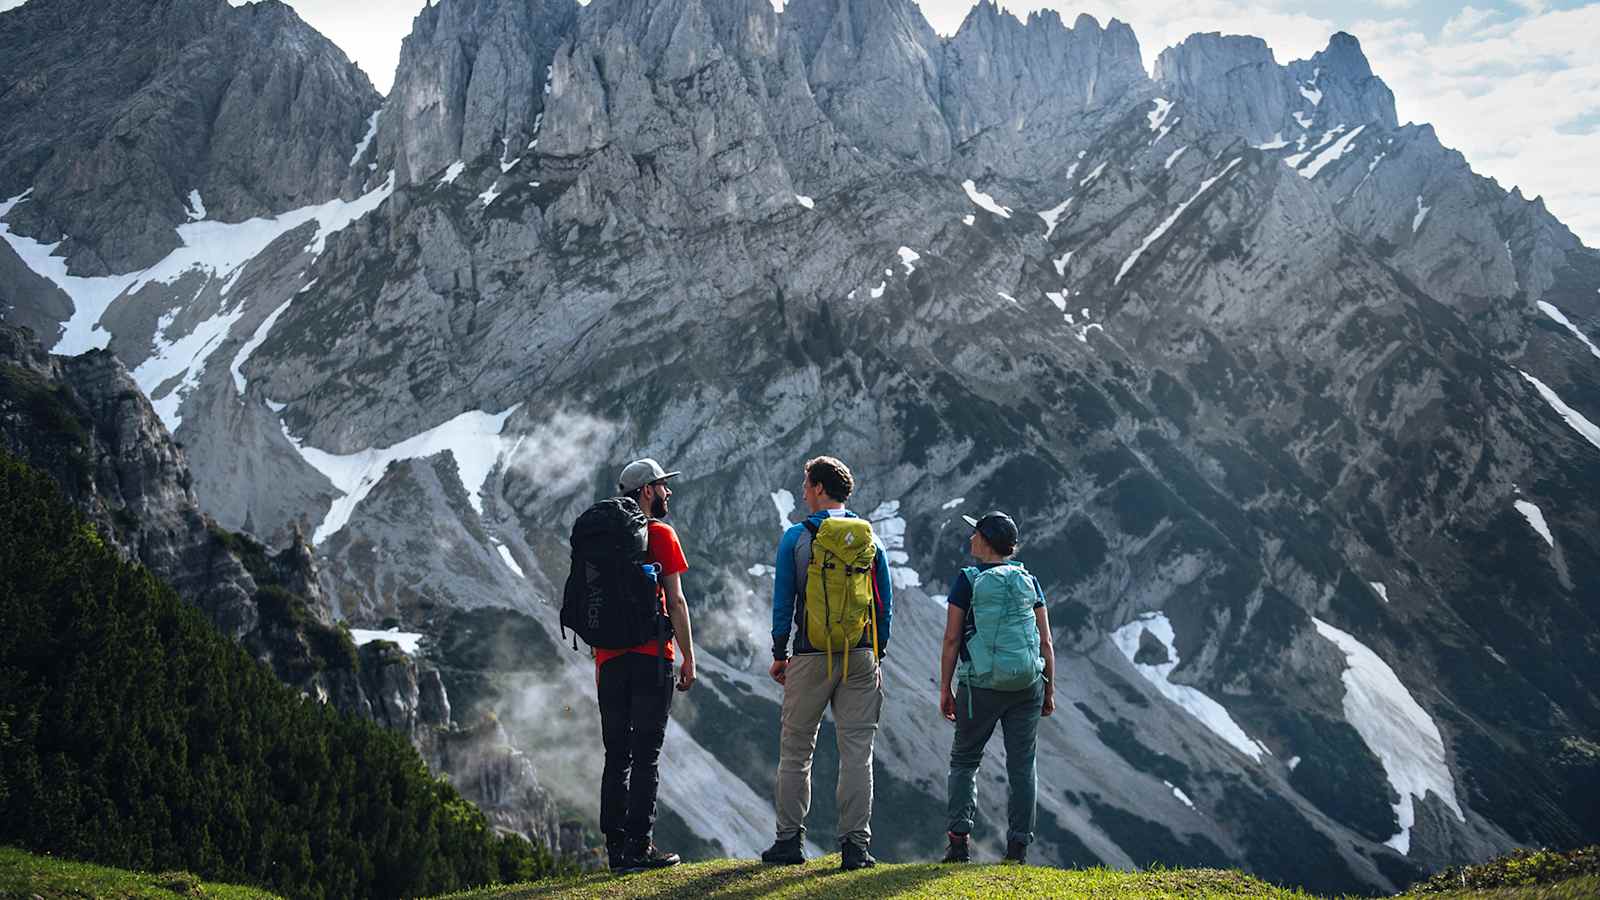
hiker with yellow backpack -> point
(997, 641)
(832, 590)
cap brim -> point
(669, 475)
(970, 521)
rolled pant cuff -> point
(1019, 837)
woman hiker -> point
(997, 637)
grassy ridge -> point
(24, 875)
(734, 879)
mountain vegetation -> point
(134, 734)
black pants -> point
(635, 698)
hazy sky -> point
(1512, 84)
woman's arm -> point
(954, 620)
(1047, 649)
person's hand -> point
(686, 675)
(947, 704)
(779, 670)
(1049, 700)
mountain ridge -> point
(1257, 385)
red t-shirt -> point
(668, 553)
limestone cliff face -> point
(115, 110)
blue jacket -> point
(789, 589)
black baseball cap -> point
(999, 529)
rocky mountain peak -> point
(248, 109)
(1234, 82)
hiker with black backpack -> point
(624, 597)
(832, 589)
(997, 639)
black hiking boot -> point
(1016, 852)
(853, 857)
(960, 849)
(785, 852)
(643, 855)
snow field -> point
(1397, 730)
(908, 256)
(473, 438)
(805, 201)
(890, 528)
(372, 132)
(507, 558)
(197, 206)
(255, 341)
(784, 501)
(1173, 157)
(1210, 713)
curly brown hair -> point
(833, 475)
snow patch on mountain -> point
(1302, 119)
(1550, 310)
(408, 641)
(784, 501)
(197, 206)
(366, 140)
(890, 527)
(182, 358)
(1178, 792)
(1098, 170)
(1210, 713)
(1162, 228)
(1535, 517)
(451, 174)
(1397, 730)
(490, 195)
(1381, 590)
(256, 340)
(908, 256)
(473, 438)
(1575, 419)
(508, 559)
(953, 502)
(1173, 157)
(1311, 93)
(1277, 143)
(805, 201)
(1421, 216)
(1331, 154)
(1053, 215)
(983, 200)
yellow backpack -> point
(840, 602)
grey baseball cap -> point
(999, 529)
(641, 472)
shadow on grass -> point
(833, 882)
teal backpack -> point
(1004, 653)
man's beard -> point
(658, 508)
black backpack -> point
(610, 599)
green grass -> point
(25, 875)
(740, 879)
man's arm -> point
(678, 612)
(885, 586)
(783, 582)
(954, 621)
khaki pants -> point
(808, 690)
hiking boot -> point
(1016, 852)
(853, 857)
(785, 852)
(643, 855)
(960, 849)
